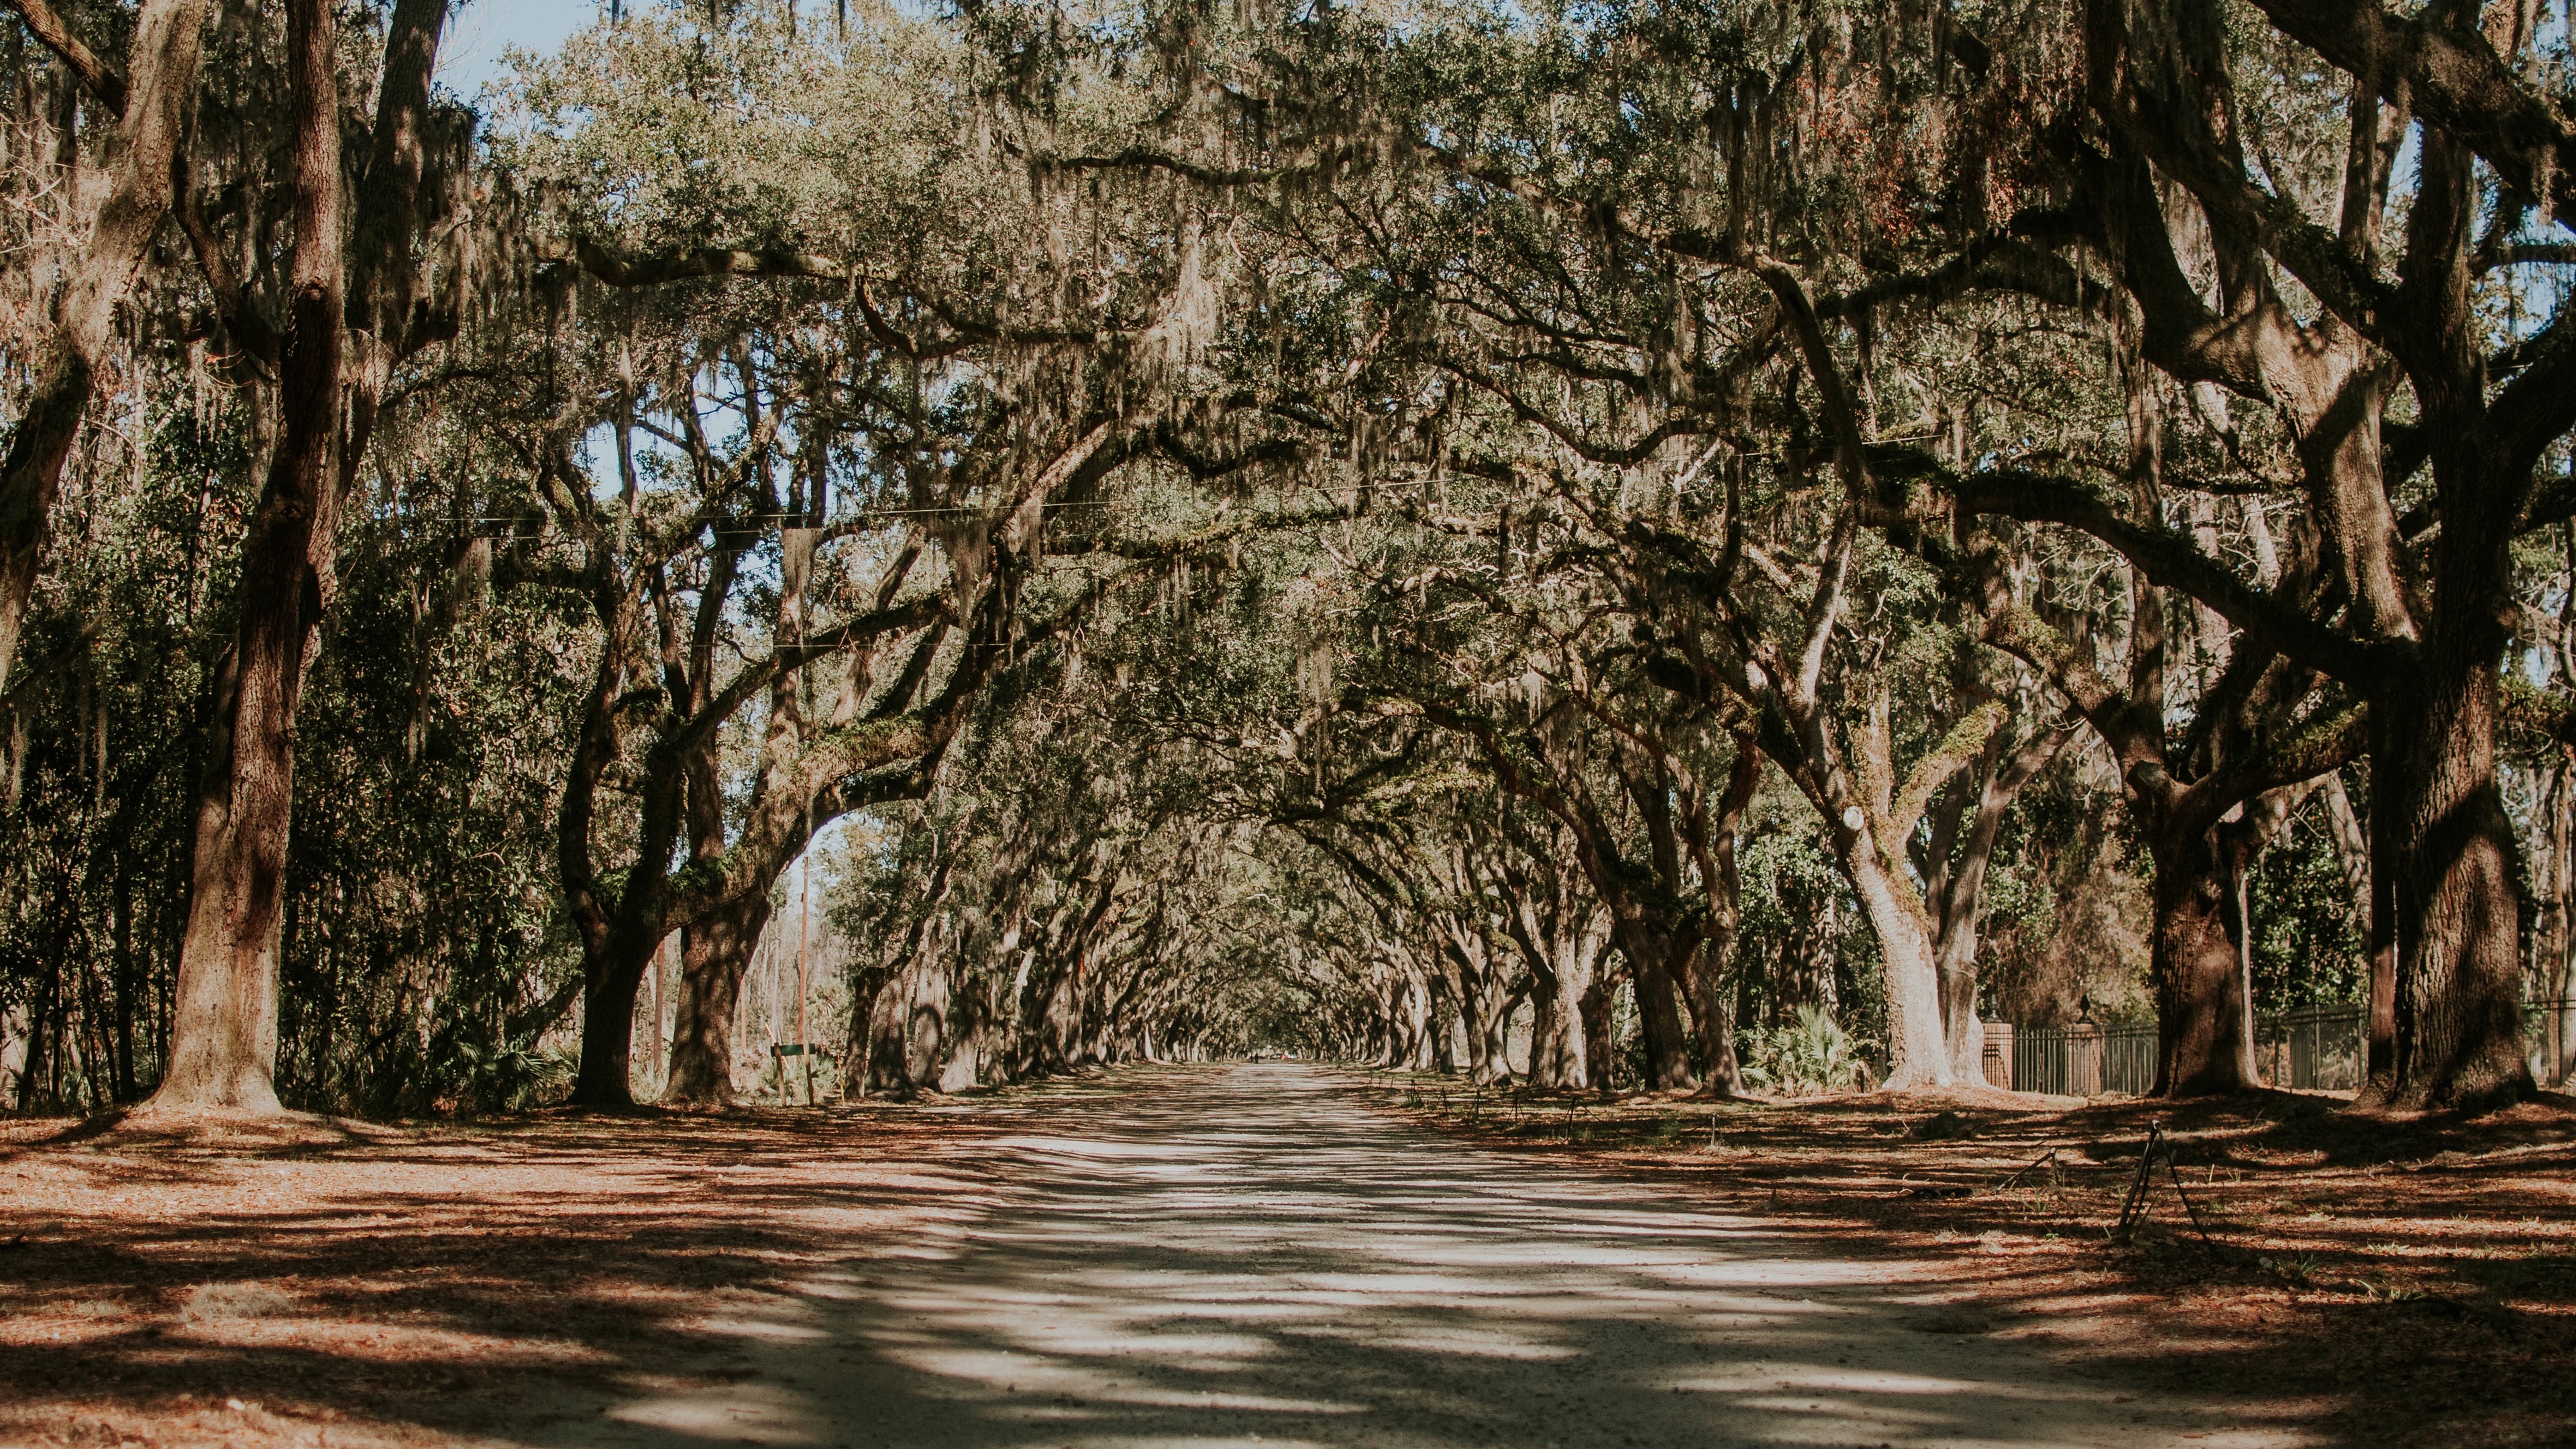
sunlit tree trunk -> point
(224, 1024)
(715, 956)
(349, 314)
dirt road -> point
(1247, 1255)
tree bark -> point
(1599, 1051)
(1722, 1076)
(1577, 964)
(224, 1030)
(2453, 880)
(1562, 951)
(1493, 1026)
(1917, 1053)
(161, 99)
(2554, 941)
(715, 953)
(1958, 888)
(2458, 1016)
(908, 1031)
(2203, 1047)
(1416, 1024)
(1659, 1013)
(718, 948)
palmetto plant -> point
(1811, 1054)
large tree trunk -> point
(1493, 1028)
(2453, 879)
(1659, 1023)
(1600, 1052)
(715, 952)
(1060, 1028)
(1955, 957)
(1562, 947)
(1578, 961)
(1704, 970)
(1959, 896)
(2203, 1045)
(1547, 1033)
(1713, 1024)
(224, 1027)
(1378, 1044)
(1479, 1032)
(866, 985)
(1048, 1015)
(606, 1075)
(626, 942)
(161, 99)
(1416, 1022)
(717, 949)
(1556, 1034)
(2458, 914)
(908, 1032)
(1918, 1054)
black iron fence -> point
(2312, 1049)
(2076, 1061)
(2315, 1048)
(2549, 1027)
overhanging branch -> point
(96, 76)
(2169, 559)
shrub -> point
(1811, 1054)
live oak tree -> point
(1279, 528)
(962, 385)
(2370, 349)
(354, 306)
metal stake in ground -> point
(2133, 1209)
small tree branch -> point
(96, 76)
(657, 268)
(1954, 753)
(2452, 79)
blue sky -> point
(478, 34)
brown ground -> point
(2410, 1280)
(357, 1286)
(2413, 1277)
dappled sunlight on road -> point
(1248, 1256)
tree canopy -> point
(1713, 546)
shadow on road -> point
(1247, 1256)
(1184, 1256)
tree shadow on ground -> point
(2410, 1276)
(1239, 1266)
(1222, 1255)
(468, 1280)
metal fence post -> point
(2084, 1060)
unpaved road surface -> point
(1247, 1255)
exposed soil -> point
(445, 1284)
(2411, 1279)
(909, 1275)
